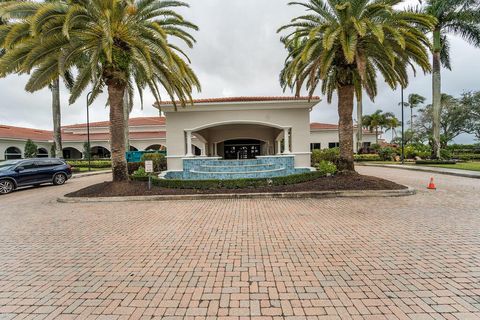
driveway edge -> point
(466, 174)
(284, 195)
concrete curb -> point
(466, 174)
(284, 195)
(89, 174)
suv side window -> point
(44, 163)
(27, 165)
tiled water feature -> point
(216, 168)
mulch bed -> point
(338, 182)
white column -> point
(286, 134)
(279, 146)
(204, 150)
(189, 144)
(215, 149)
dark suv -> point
(32, 172)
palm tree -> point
(344, 43)
(391, 123)
(127, 44)
(414, 101)
(374, 122)
(458, 17)
(18, 33)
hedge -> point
(367, 157)
(93, 163)
(232, 184)
(435, 162)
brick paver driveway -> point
(393, 258)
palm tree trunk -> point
(376, 134)
(126, 116)
(359, 123)
(345, 125)
(436, 86)
(411, 119)
(116, 90)
(56, 115)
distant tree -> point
(414, 101)
(391, 124)
(457, 17)
(30, 149)
(86, 150)
(471, 101)
(53, 151)
(454, 120)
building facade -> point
(228, 128)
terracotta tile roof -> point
(10, 132)
(322, 126)
(330, 126)
(69, 137)
(141, 121)
(246, 99)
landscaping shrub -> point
(94, 163)
(367, 157)
(326, 167)
(387, 153)
(332, 155)
(140, 172)
(467, 156)
(232, 184)
(159, 161)
(445, 154)
(134, 166)
(417, 150)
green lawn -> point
(82, 170)
(473, 166)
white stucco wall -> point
(20, 144)
(295, 118)
(324, 137)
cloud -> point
(238, 53)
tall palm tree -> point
(457, 17)
(414, 101)
(346, 43)
(18, 33)
(374, 122)
(391, 123)
(127, 44)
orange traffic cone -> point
(431, 185)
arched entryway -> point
(242, 149)
(99, 152)
(71, 153)
(132, 148)
(155, 147)
(241, 140)
(13, 153)
(42, 153)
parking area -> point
(414, 257)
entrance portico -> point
(239, 128)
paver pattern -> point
(413, 257)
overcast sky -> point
(238, 53)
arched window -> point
(42, 153)
(155, 147)
(100, 153)
(71, 153)
(13, 153)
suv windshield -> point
(9, 164)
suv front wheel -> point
(6, 186)
(59, 179)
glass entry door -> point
(241, 149)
